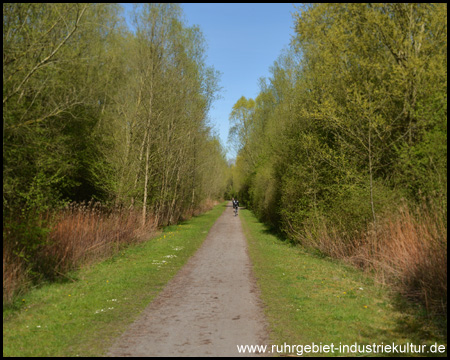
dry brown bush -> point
(406, 250)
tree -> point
(342, 130)
(51, 98)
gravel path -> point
(208, 308)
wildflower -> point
(103, 310)
(365, 306)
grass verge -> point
(310, 299)
(82, 316)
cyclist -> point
(235, 206)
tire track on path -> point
(208, 308)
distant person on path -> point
(235, 206)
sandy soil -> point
(208, 308)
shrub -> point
(408, 250)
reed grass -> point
(79, 234)
(88, 233)
(407, 250)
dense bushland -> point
(345, 147)
(94, 111)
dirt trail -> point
(208, 308)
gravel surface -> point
(208, 308)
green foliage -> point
(354, 118)
(350, 129)
(93, 111)
(422, 168)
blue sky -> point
(243, 41)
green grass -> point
(310, 299)
(82, 317)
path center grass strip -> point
(309, 300)
(82, 318)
